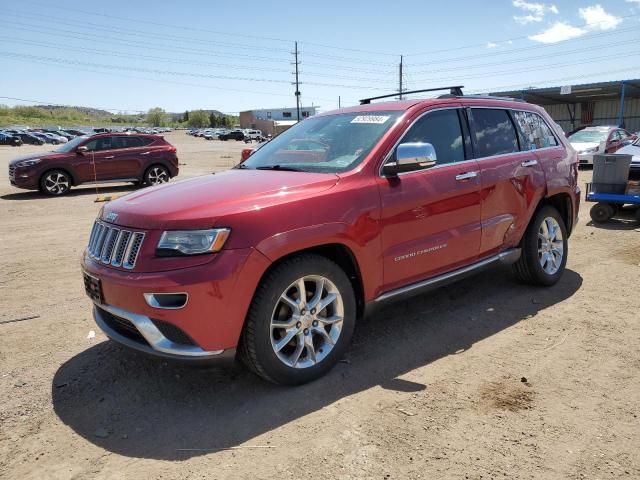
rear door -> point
(430, 218)
(512, 180)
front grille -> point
(114, 246)
(173, 333)
(12, 172)
(123, 326)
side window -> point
(132, 142)
(144, 141)
(534, 131)
(92, 145)
(494, 132)
(442, 130)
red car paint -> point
(381, 221)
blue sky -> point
(233, 56)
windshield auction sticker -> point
(370, 119)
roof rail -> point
(455, 90)
(487, 97)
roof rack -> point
(455, 90)
(487, 97)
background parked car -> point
(109, 157)
(7, 139)
(29, 138)
(634, 150)
(237, 135)
(602, 139)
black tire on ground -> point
(156, 174)
(529, 268)
(638, 214)
(601, 212)
(255, 348)
(55, 183)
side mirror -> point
(410, 157)
(82, 150)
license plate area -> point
(93, 287)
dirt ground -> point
(483, 379)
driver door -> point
(430, 218)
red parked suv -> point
(277, 258)
(102, 158)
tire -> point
(156, 175)
(601, 212)
(543, 256)
(55, 183)
(309, 353)
(637, 215)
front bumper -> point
(140, 333)
(23, 178)
(219, 294)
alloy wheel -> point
(56, 183)
(157, 175)
(550, 245)
(307, 321)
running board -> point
(508, 257)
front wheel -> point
(544, 249)
(300, 321)
(156, 175)
(55, 183)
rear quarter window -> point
(534, 131)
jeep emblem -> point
(111, 217)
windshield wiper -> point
(279, 167)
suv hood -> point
(43, 155)
(198, 202)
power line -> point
(529, 59)
(531, 69)
(506, 40)
(165, 60)
(171, 82)
(529, 48)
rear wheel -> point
(544, 249)
(601, 212)
(55, 182)
(300, 321)
(156, 174)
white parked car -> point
(634, 150)
(602, 139)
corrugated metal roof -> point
(584, 92)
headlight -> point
(28, 163)
(590, 150)
(192, 242)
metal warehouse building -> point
(573, 106)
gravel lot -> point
(483, 379)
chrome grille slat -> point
(109, 244)
(114, 246)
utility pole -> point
(400, 90)
(297, 82)
(339, 105)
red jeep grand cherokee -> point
(102, 158)
(280, 256)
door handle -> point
(529, 163)
(466, 176)
(145, 153)
(112, 156)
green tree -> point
(185, 117)
(156, 117)
(213, 121)
(198, 119)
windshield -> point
(70, 145)
(326, 144)
(589, 136)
